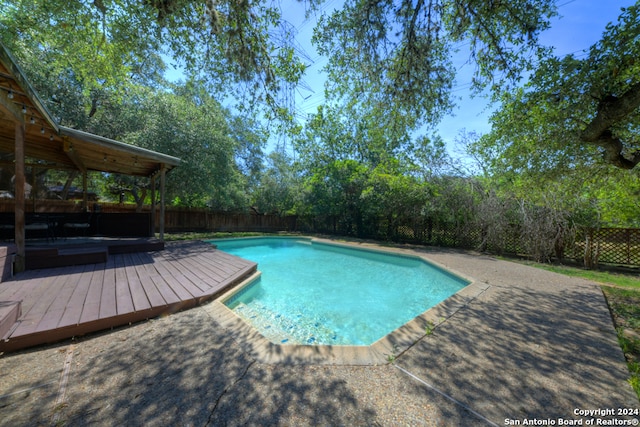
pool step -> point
(10, 311)
(297, 330)
(55, 257)
(83, 253)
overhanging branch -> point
(612, 110)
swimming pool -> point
(322, 294)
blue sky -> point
(580, 24)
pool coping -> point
(383, 351)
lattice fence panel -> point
(608, 245)
(618, 246)
(405, 232)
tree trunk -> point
(610, 111)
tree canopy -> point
(359, 160)
(239, 48)
(399, 53)
(576, 111)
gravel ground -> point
(534, 345)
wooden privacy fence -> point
(620, 246)
(205, 220)
(176, 219)
(591, 246)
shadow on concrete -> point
(529, 350)
(186, 371)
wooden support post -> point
(163, 174)
(34, 190)
(153, 205)
(85, 197)
(19, 265)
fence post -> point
(628, 234)
(587, 250)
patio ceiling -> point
(59, 147)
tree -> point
(334, 192)
(576, 112)
(398, 54)
(219, 151)
(394, 197)
(279, 189)
(573, 130)
(192, 126)
(238, 47)
(250, 137)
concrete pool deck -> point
(531, 345)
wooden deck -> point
(59, 303)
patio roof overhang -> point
(29, 133)
(56, 146)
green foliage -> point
(220, 153)
(399, 54)
(192, 126)
(239, 48)
(597, 195)
(99, 66)
(391, 357)
(634, 380)
(625, 310)
(428, 329)
(616, 282)
(557, 137)
(98, 41)
(276, 192)
(358, 170)
(574, 115)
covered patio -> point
(31, 140)
(87, 268)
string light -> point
(42, 130)
(24, 109)
(32, 121)
(10, 94)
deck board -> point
(35, 307)
(91, 305)
(193, 274)
(181, 270)
(151, 272)
(209, 273)
(124, 299)
(138, 294)
(138, 268)
(108, 296)
(174, 284)
(73, 309)
(21, 287)
(59, 303)
(55, 311)
(173, 271)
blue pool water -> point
(316, 293)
